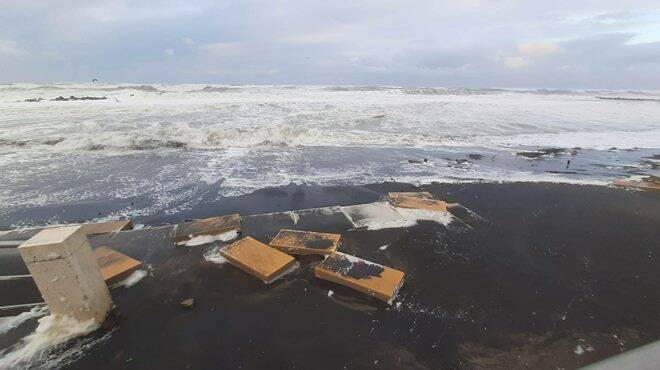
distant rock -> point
(475, 156)
(542, 153)
(72, 98)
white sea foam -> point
(53, 330)
(213, 255)
(131, 279)
(206, 239)
(9, 323)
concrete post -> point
(67, 275)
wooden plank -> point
(378, 281)
(420, 203)
(305, 242)
(206, 226)
(257, 258)
(114, 265)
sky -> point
(557, 44)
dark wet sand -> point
(550, 267)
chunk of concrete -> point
(61, 262)
(188, 303)
(305, 242)
(257, 258)
(207, 226)
(114, 265)
(376, 280)
(417, 194)
(107, 227)
(637, 184)
(420, 203)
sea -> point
(135, 151)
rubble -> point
(114, 265)
(418, 194)
(187, 303)
(367, 277)
(257, 258)
(206, 226)
(420, 203)
(305, 242)
(649, 183)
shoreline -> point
(552, 269)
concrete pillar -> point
(67, 275)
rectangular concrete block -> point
(257, 258)
(114, 265)
(305, 242)
(207, 226)
(639, 185)
(61, 263)
(376, 280)
(420, 203)
(106, 227)
(415, 194)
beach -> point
(538, 275)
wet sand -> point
(546, 271)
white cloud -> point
(537, 50)
(187, 41)
(11, 48)
(516, 62)
(223, 49)
(168, 52)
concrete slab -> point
(114, 265)
(257, 258)
(639, 185)
(367, 277)
(420, 203)
(417, 194)
(305, 242)
(374, 216)
(107, 227)
(206, 226)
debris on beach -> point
(187, 303)
(420, 203)
(376, 280)
(114, 265)
(107, 227)
(257, 259)
(305, 242)
(418, 194)
(647, 183)
(207, 226)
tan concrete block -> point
(114, 265)
(107, 227)
(416, 194)
(61, 263)
(367, 277)
(257, 258)
(639, 185)
(207, 226)
(305, 242)
(420, 203)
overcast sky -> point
(470, 43)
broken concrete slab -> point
(257, 258)
(206, 226)
(417, 194)
(637, 184)
(305, 242)
(107, 227)
(376, 280)
(187, 303)
(114, 265)
(61, 262)
(375, 216)
(420, 203)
